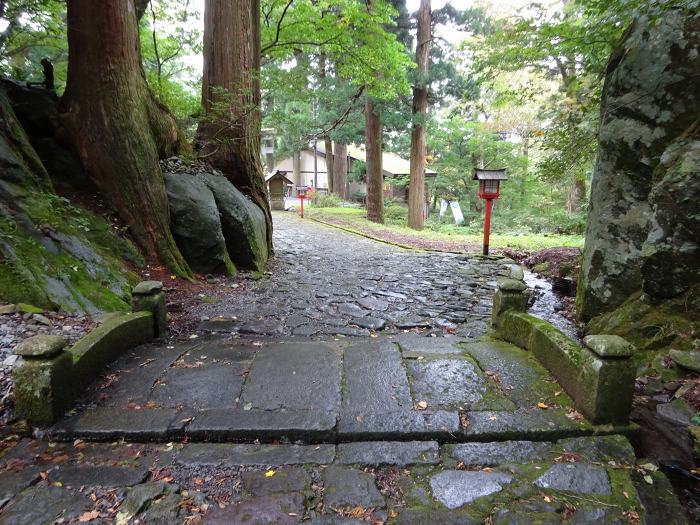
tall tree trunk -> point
(375, 179)
(328, 143)
(116, 124)
(229, 132)
(416, 186)
(340, 170)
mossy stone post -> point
(148, 296)
(43, 379)
(511, 294)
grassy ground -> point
(438, 237)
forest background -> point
(512, 85)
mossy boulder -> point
(53, 254)
(643, 224)
(196, 225)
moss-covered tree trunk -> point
(416, 187)
(229, 131)
(375, 178)
(116, 125)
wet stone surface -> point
(349, 385)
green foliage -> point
(168, 36)
(33, 29)
(325, 200)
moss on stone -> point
(653, 327)
(58, 256)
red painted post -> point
(487, 226)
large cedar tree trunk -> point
(416, 187)
(230, 129)
(340, 170)
(375, 180)
(328, 143)
(116, 124)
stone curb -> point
(600, 378)
(48, 379)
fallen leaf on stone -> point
(194, 336)
(292, 514)
(548, 499)
(270, 473)
(79, 444)
(88, 516)
(168, 447)
(493, 418)
(649, 479)
(487, 469)
(542, 405)
(649, 466)
(421, 405)
(248, 406)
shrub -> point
(326, 200)
(395, 213)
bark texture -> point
(340, 170)
(229, 132)
(117, 126)
(416, 187)
(375, 179)
(328, 143)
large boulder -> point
(195, 224)
(243, 224)
(53, 254)
(642, 229)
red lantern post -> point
(301, 191)
(489, 189)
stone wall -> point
(643, 230)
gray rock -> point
(576, 477)
(243, 224)
(609, 345)
(511, 285)
(498, 453)
(389, 453)
(309, 426)
(516, 272)
(446, 382)
(41, 346)
(456, 488)
(41, 319)
(147, 288)
(689, 360)
(351, 310)
(374, 304)
(294, 376)
(98, 476)
(138, 497)
(6, 309)
(267, 510)
(42, 505)
(644, 202)
(678, 412)
(195, 223)
(232, 455)
(372, 323)
(294, 479)
(601, 449)
(348, 487)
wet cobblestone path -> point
(356, 383)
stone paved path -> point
(354, 385)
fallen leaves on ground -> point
(421, 405)
(88, 516)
